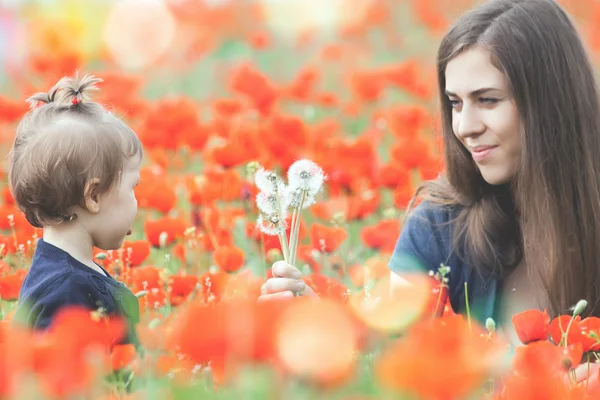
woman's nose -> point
(469, 122)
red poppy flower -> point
(532, 325)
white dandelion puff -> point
(306, 175)
(267, 202)
(270, 225)
(270, 202)
(267, 181)
(285, 196)
(294, 196)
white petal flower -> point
(306, 175)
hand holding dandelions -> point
(275, 200)
(285, 283)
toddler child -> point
(73, 170)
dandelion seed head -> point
(267, 202)
(293, 195)
(306, 175)
(262, 181)
(266, 226)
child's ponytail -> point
(69, 92)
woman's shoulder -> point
(435, 213)
(426, 239)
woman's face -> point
(484, 116)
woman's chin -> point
(495, 177)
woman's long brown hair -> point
(549, 216)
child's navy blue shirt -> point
(56, 280)
(426, 242)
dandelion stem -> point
(296, 229)
(284, 245)
(467, 306)
(281, 225)
(293, 226)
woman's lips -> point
(479, 153)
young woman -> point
(517, 213)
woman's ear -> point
(91, 199)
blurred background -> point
(310, 51)
(213, 85)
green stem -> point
(566, 333)
(467, 305)
(588, 373)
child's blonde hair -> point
(61, 145)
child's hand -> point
(286, 281)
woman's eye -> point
(488, 100)
(454, 103)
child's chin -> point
(112, 246)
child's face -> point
(118, 209)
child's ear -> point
(91, 199)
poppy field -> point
(222, 93)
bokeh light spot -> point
(317, 340)
(139, 32)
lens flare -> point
(138, 32)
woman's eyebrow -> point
(474, 93)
